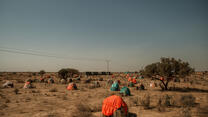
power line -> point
(36, 53)
(43, 54)
(28, 50)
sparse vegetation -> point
(187, 100)
(185, 112)
(202, 111)
(164, 102)
(82, 111)
(42, 72)
(16, 91)
(177, 99)
(53, 90)
(68, 72)
(134, 101)
(96, 107)
(167, 68)
(145, 101)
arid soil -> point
(54, 100)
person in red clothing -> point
(112, 104)
(72, 86)
(129, 79)
(134, 80)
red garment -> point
(119, 81)
(70, 86)
(112, 103)
(134, 81)
(129, 79)
(26, 84)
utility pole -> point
(108, 61)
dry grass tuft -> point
(134, 101)
(185, 112)
(53, 90)
(145, 101)
(82, 111)
(187, 100)
(96, 107)
(202, 111)
(16, 91)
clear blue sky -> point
(131, 33)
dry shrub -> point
(185, 112)
(52, 114)
(27, 99)
(53, 90)
(7, 101)
(145, 101)
(35, 91)
(94, 85)
(91, 86)
(82, 110)
(88, 81)
(165, 101)
(20, 81)
(134, 101)
(63, 97)
(202, 111)
(187, 100)
(160, 106)
(16, 91)
(96, 107)
(3, 106)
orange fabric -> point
(161, 78)
(111, 104)
(152, 85)
(129, 79)
(42, 79)
(134, 81)
(70, 87)
(27, 83)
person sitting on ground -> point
(114, 106)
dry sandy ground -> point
(40, 102)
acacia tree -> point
(67, 72)
(42, 72)
(167, 69)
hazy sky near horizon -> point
(131, 33)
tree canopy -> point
(67, 72)
(168, 68)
